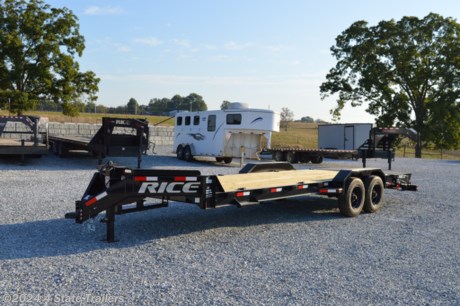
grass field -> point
(298, 134)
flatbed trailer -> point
(380, 144)
(315, 156)
(107, 142)
(119, 190)
(23, 147)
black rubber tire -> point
(374, 194)
(278, 156)
(180, 152)
(228, 160)
(188, 154)
(291, 157)
(62, 150)
(304, 158)
(352, 200)
(316, 159)
(219, 159)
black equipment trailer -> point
(32, 146)
(380, 144)
(119, 190)
(108, 141)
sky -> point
(268, 54)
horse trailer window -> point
(211, 123)
(179, 121)
(196, 120)
(187, 120)
(234, 119)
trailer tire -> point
(62, 150)
(188, 154)
(291, 157)
(278, 156)
(318, 159)
(374, 194)
(219, 159)
(351, 201)
(180, 152)
(228, 160)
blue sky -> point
(269, 54)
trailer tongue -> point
(119, 190)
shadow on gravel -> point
(61, 237)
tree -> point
(38, 44)
(286, 116)
(307, 119)
(193, 102)
(225, 104)
(407, 72)
(132, 106)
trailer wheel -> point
(62, 150)
(180, 152)
(316, 159)
(278, 155)
(374, 194)
(188, 154)
(291, 157)
(351, 202)
(228, 160)
(219, 159)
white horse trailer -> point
(224, 134)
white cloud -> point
(231, 45)
(106, 10)
(124, 49)
(182, 42)
(150, 41)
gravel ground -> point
(298, 251)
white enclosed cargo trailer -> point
(223, 134)
(343, 136)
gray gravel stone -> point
(297, 251)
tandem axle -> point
(115, 189)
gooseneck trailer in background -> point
(379, 144)
(116, 137)
(33, 145)
(118, 190)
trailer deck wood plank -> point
(234, 182)
(10, 146)
(75, 139)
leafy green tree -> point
(307, 119)
(195, 102)
(38, 44)
(132, 106)
(192, 102)
(225, 104)
(407, 71)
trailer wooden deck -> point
(18, 147)
(71, 139)
(234, 182)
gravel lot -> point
(299, 251)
